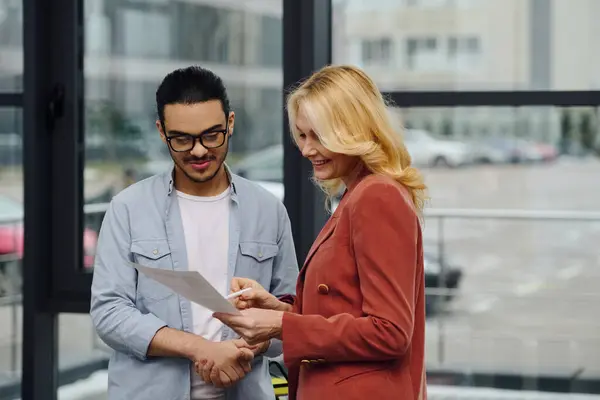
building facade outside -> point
(130, 45)
(404, 44)
(474, 45)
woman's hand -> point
(257, 349)
(258, 297)
(254, 325)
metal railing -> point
(442, 215)
(440, 218)
(94, 214)
(11, 291)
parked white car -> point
(426, 150)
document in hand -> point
(192, 286)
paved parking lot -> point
(78, 343)
(529, 301)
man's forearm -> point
(169, 342)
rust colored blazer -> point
(357, 328)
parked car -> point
(514, 150)
(510, 149)
(267, 165)
(546, 151)
(426, 150)
(440, 275)
(491, 151)
(530, 153)
(11, 232)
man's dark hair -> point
(190, 85)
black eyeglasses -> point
(185, 142)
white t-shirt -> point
(206, 229)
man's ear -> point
(160, 130)
(231, 122)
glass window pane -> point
(11, 244)
(507, 292)
(470, 44)
(11, 46)
(79, 348)
(124, 64)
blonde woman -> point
(356, 328)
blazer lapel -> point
(323, 235)
(329, 227)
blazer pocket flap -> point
(259, 251)
(359, 372)
(151, 249)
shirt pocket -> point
(153, 254)
(256, 261)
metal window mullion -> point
(572, 98)
(40, 336)
(306, 48)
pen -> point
(236, 294)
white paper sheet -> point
(192, 286)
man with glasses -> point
(196, 216)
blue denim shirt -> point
(143, 224)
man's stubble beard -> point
(207, 179)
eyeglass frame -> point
(195, 138)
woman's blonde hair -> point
(350, 116)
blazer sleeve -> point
(384, 232)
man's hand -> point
(258, 297)
(223, 363)
(211, 374)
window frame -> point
(54, 278)
(52, 83)
(305, 25)
(522, 98)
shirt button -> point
(323, 288)
(259, 254)
(155, 251)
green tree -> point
(587, 133)
(106, 121)
(566, 131)
(427, 126)
(447, 129)
(467, 131)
